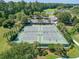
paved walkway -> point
(76, 42)
(68, 58)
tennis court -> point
(44, 34)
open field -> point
(3, 42)
(50, 10)
(52, 56)
(74, 53)
(76, 37)
(69, 27)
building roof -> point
(40, 21)
(51, 20)
(43, 19)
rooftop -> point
(50, 20)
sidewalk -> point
(67, 58)
(76, 42)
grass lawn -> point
(3, 42)
(69, 28)
(52, 56)
(50, 10)
(76, 37)
(49, 56)
(74, 53)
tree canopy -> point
(20, 51)
(64, 17)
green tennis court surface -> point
(44, 34)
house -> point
(53, 19)
(44, 20)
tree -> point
(11, 7)
(2, 5)
(8, 23)
(24, 20)
(42, 52)
(20, 15)
(55, 46)
(61, 27)
(74, 20)
(0, 14)
(1, 21)
(64, 17)
(12, 17)
(58, 49)
(20, 51)
(77, 27)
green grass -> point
(69, 28)
(50, 10)
(52, 56)
(74, 53)
(76, 37)
(3, 41)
